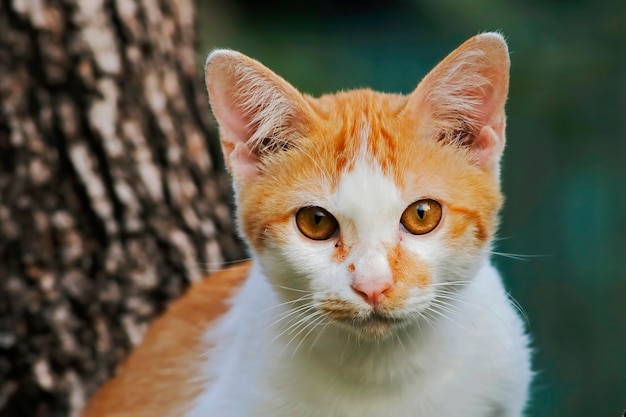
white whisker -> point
(428, 320)
(516, 256)
(313, 325)
(319, 334)
(286, 303)
(293, 289)
(440, 313)
(401, 344)
(450, 283)
(300, 326)
(290, 313)
(519, 308)
(212, 267)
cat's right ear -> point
(257, 111)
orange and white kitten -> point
(370, 218)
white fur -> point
(475, 366)
(277, 356)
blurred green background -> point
(564, 172)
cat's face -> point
(363, 205)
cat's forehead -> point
(364, 128)
(360, 125)
(362, 118)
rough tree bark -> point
(111, 197)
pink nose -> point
(372, 292)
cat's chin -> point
(373, 326)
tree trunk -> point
(112, 199)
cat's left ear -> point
(257, 111)
(462, 99)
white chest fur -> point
(474, 362)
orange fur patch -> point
(408, 272)
(341, 252)
(338, 309)
(161, 376)
(462, 220)
(407, 268)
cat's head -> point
(360, 203)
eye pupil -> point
(421, 211)
(319, 216)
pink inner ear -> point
(487, 145)
(231, 119)
(235, 133)
(243, 161)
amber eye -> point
(421, 217)
(316, 223)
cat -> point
(370, 218)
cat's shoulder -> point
(158, 376)
(206, 300)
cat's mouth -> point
(376, 317)
(376, 323)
